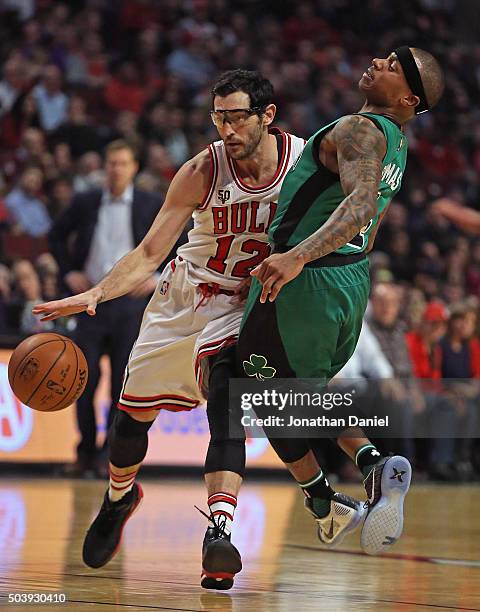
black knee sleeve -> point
(290, 449)
(127, 440)
(226, 456)
(226, 450)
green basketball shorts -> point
(311, 329)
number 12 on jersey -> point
(259, 251)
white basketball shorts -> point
(183, 325)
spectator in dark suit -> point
(95, 231)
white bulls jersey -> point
(185, 323)
(229, 237)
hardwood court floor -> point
(435, 566)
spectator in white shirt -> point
(52, 103)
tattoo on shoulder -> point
(359, 135)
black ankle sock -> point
(366, 457)
(319, 490)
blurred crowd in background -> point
(79, 74)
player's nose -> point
(377, 63)
(227, 129)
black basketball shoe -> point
(220, 559)
(105, 533)
(386, 485)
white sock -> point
(120, 485)
(222, 506)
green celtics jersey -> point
(310, 192)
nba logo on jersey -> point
(164, 288)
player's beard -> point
(250, 145)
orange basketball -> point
(47, 372)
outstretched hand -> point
(276, 271)
(444, 207)
(83, 302)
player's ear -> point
(269, 114)
(411, 100)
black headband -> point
(412, 75)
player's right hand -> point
(276, 271)
(83, 302)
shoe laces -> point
(218, 524)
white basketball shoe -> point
(386, 487)
(346, 513)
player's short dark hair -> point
(251, 82)
(433, 79)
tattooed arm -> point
(360, 147)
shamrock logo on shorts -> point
(257, 366)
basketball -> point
(47, 372)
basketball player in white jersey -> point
(183, 351)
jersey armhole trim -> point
(315, 150)
(211, 180)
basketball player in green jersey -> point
(307, 300)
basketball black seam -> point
(75, 378)
(76, 371)
(48, 372)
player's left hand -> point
(276, 271)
